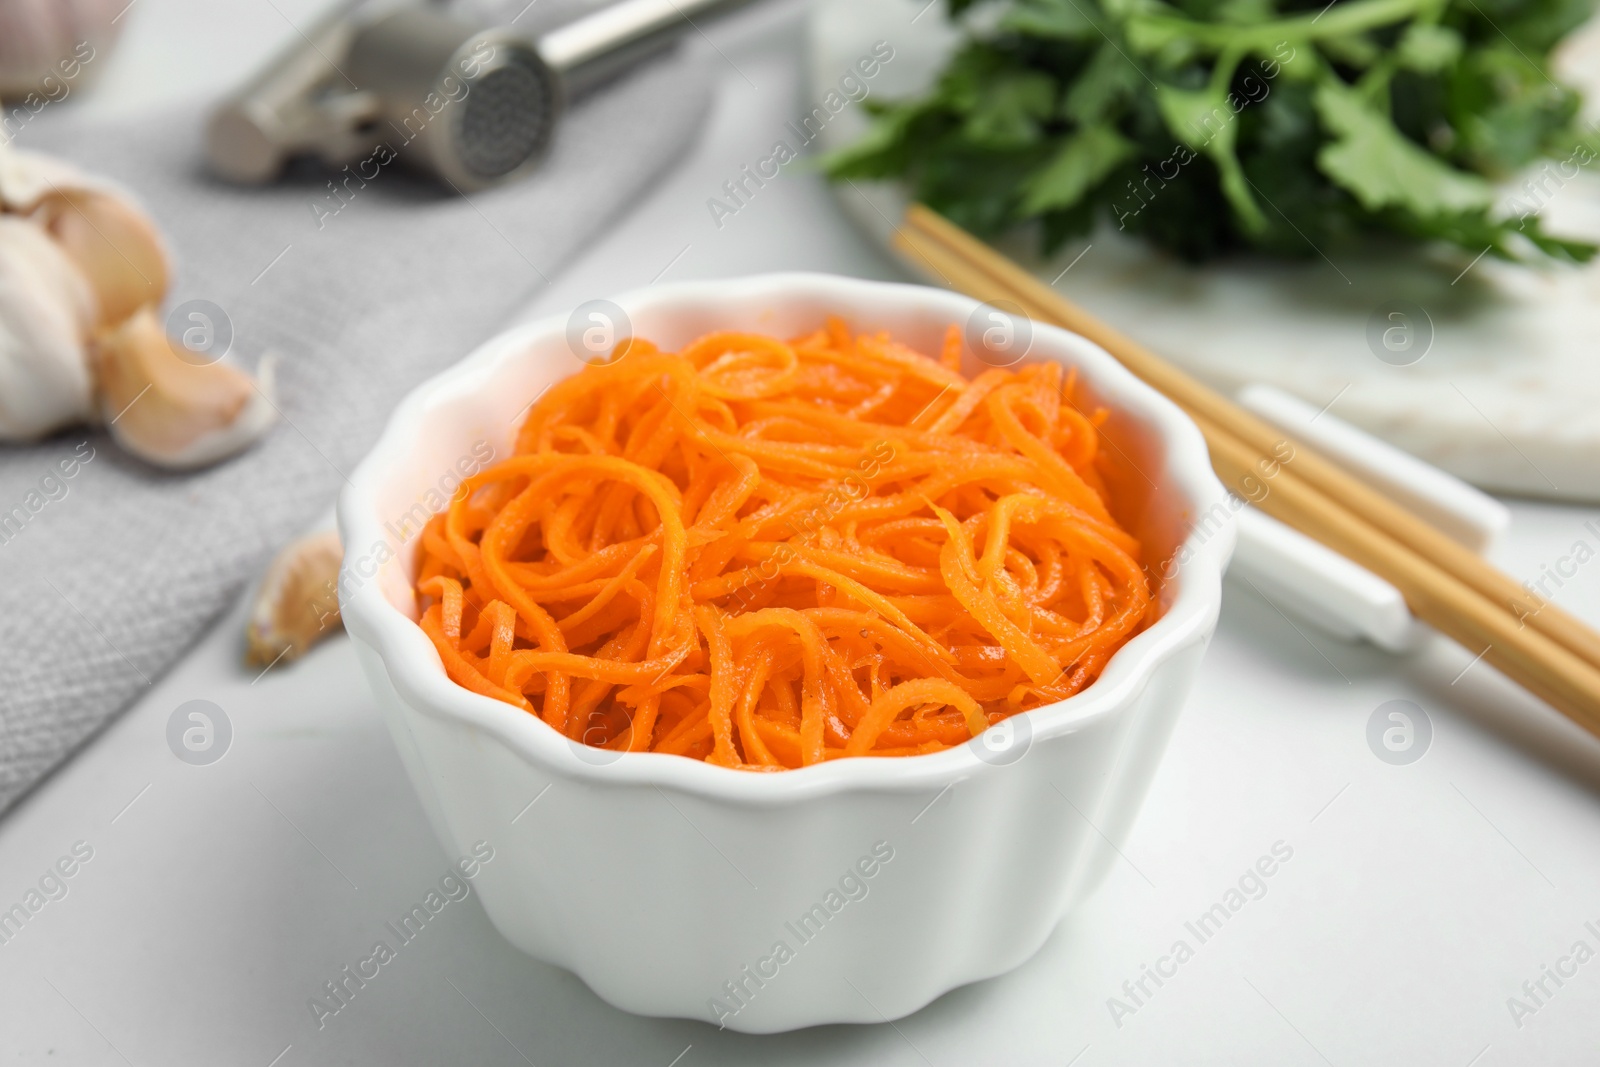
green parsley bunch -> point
(1211, 126)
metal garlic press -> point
(473, 106)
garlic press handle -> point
(597, 47)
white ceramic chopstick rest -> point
(1461, 512)
(1314, 584)
(1308, 580)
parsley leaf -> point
(1374, 161)
(1084, 160)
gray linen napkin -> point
(106, 585)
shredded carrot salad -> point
(766, 554)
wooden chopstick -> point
(1548, 651)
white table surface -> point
(1418, 898)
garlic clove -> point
(46, 311)
(115, 244)
(102, 230)
(297, 603)
(172, 412)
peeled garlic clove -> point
(114, 243)
(298, 602)
(165, 408)
(46, 311)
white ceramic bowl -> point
(854, 891)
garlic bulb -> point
(27, 177)
(298, 602)
(46, 310)
(42, 40)
(113, 242)
(82, 270)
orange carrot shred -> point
(769, 553)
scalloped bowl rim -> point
(415, 670)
